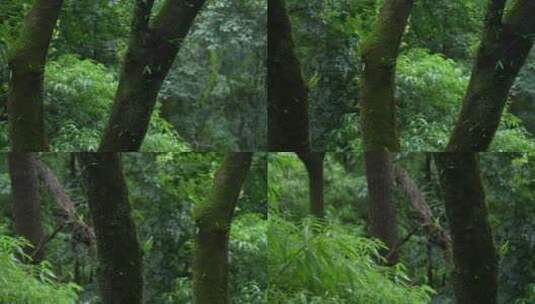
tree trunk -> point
(152, 49)
(503, 51)
(379, 54)
(27, 64)
(287, 93)
(119, 254)
(381, 211)
(26, 202)
(213, 220)
(474, 255)
(313, 162)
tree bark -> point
(313, 162)
(505, 45)
(434, 232)
(119, 253)
(474, 254)
(287, 92)
(213, 220)
(26, 206)
(68, 215)
(152, 49)
(379, 55)
(382, 210)
(27, 63)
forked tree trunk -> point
(213, 220)
(153, 45)
(379, 54)
(505, 45)
(26, 206)
(119, 255)
(382, 210)
(313, 162)
(287, 93)
(474, 254)
(27, 63)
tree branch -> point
(418, 202)
(66, 205)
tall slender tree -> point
(474, 253)
(379, 54)
(382, 222)
(153, 45)
(287, 92)
(506, 43)
(27, 63)
(288, 117)
(26, 202)
(313, 162)
(120, 275)
(213, 220)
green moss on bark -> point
(213, 220)
(27, 61)
(379, 54)
(151, 52)
(504, 49)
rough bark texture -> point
(313, 162)
(27, 63)
(119, 254)
(213, 219)
(505, 45)
(68, 214)
(26, 202)
(474, 255)
(434, 232)
(152, 49)
(382, 211)
(287, 92)
(379, 54)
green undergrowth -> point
(29, 284)
(314, 262)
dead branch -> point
(417, 199)
(67, 208)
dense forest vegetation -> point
(217, 77)
(456, 72)
(396, 74)
(157, 222)
(267, 151)
(194, 228)
(332, 259)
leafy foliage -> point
(313, 262)
(29, 284)
(79, 94)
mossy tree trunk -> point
(153, 45)
(474, 254)
(27, 58)
(382, 222)
(313, 162)
(287, 92)
(505, 45)
(379, 54)
(120, 275)
(26, 206)
(213, 220)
